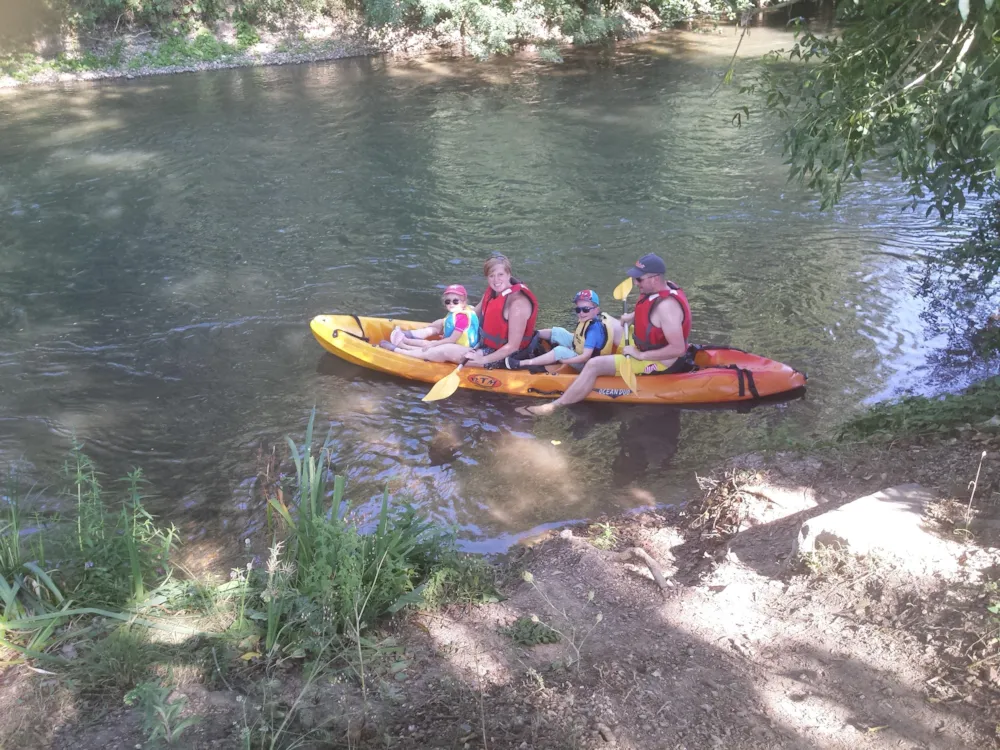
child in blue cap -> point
(596, 333)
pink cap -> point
(456, 289)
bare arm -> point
(669, 318)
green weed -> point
(161, 716)
(114, 664)
(179, 50)
(23, 66)
(460, 579)
(919, 415)
(530, 631)
(117, 553)
(335, 577)
(570, 630)
(10, 527)
(607, 536)
(246, 35)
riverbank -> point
(716, 634)
(107, 52)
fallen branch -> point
(626, 555)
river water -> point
(164, 243)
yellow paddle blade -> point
(624, 367)
(445, 387)
(623, 290)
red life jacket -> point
(646, 335)
(494, 328)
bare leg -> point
(549, 358)
(443, 353)
(581, 386)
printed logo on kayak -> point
(612, 392)
(484, 381)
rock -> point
(887, 524)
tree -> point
(912, 83)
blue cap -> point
(588, 294)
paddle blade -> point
(623, 290)
(625, 372)
(443, 388)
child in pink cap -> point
(459, 332)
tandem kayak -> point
(721, 374)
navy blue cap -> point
(651, 263)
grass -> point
(918, 415)
(23, 66)
(179, 50)
(82, 595)
(173, 50)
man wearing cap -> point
(596, 333)
(662, 324)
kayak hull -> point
(723, 375)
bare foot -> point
(536, 411)
(387, 345)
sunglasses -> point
(583, 309)
(452, 301)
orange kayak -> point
(721, 375)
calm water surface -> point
(164, 242)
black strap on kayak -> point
(360, 328)
(750, 384)
(744, 378)
(545, 393)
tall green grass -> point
(97, 578)
(338, 578)
(118, 551)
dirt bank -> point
(742, 646)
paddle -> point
(622, 291)
(445, 387)
(624, 367)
